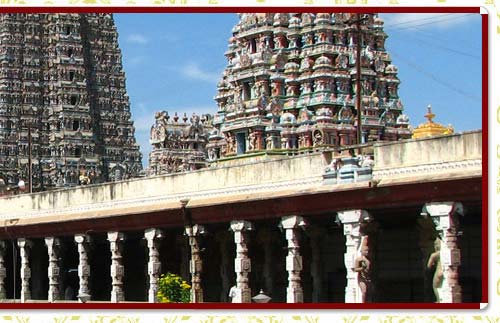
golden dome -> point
(430, 128)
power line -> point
(449, 49)
(436, 79)
(435, 37)
(389, 27)
(419, 20)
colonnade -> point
(359, 228)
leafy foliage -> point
(173, 289)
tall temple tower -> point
(289, 85)
(63, 96)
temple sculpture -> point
(179, 144)
(64, 108)
(290, 85)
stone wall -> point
(450, 148)
(288, 169)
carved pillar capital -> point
(444, 215)
(241, 225)
(353, 216)
(292, 222)
(194, 230)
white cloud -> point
(194, 72)
(133, 61)
(424, 20)
(137, 39)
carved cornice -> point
(472, 165)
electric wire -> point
(389, 27)
(430, 75)
(441, 47)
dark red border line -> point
(216, 9)
(246, 306)
(484, 220)
(280, 306)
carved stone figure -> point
(434, 263)
(362, 266)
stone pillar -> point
(115, 244)
(446, 258)
(196, 263)
(242, 264)
(359, 287)
(291, 225)
(83, 243)
(153, 237)
(24, 247)
(3, 271)
(53, 249)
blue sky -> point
(173, 62)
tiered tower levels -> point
(290, 85)
(62, 81)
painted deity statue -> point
(434, 262)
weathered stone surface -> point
(25, 249)
(117, 271)
(194, 233)
(446, 259)
(242, 264)
(292, 225)
(65, 86)
(153, 237)
(358, 229)
(53, 249)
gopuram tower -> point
(290, 86)
(63, 97)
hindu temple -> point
(64, 108)
(290, 85)
(301, 202)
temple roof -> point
(431, 128)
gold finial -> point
(429, 114)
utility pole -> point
(358, 79)
(30, 165)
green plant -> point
(173, 289)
